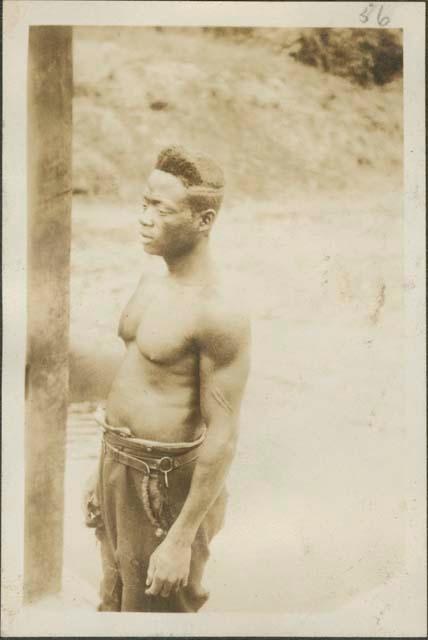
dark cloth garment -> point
(128, 537)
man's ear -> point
(206, 219)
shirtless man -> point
(171, 418)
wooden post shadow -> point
(49, 226)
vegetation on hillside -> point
(364, 56)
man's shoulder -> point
(223, 303)
(147, 279)
(224, 317)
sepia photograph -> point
(215, 380)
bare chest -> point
(162, 323)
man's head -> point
(183, 195)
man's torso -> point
(156, 390)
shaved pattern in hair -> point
(200, 174)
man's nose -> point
(146, 219)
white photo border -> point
(407, 595)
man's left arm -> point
(224, 367)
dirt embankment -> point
(274, 124)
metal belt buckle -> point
(166, 470)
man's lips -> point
(145, 236)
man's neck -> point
(193, 268)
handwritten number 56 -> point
(382, 20)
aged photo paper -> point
(213, 395)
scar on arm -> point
(221, 400)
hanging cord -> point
(160, 524)
(160, 501)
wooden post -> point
(49, 223)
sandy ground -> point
(317, 514)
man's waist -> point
(138, 458)
(144, 446)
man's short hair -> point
(200, 174)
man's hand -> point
(169, 568)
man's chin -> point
(148, 248)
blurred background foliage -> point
(364, 56)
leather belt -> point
(145, 463)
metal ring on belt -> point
(164, 465)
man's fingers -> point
(155, 587)
(181, 583)
(166, 589)
(150, 572)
